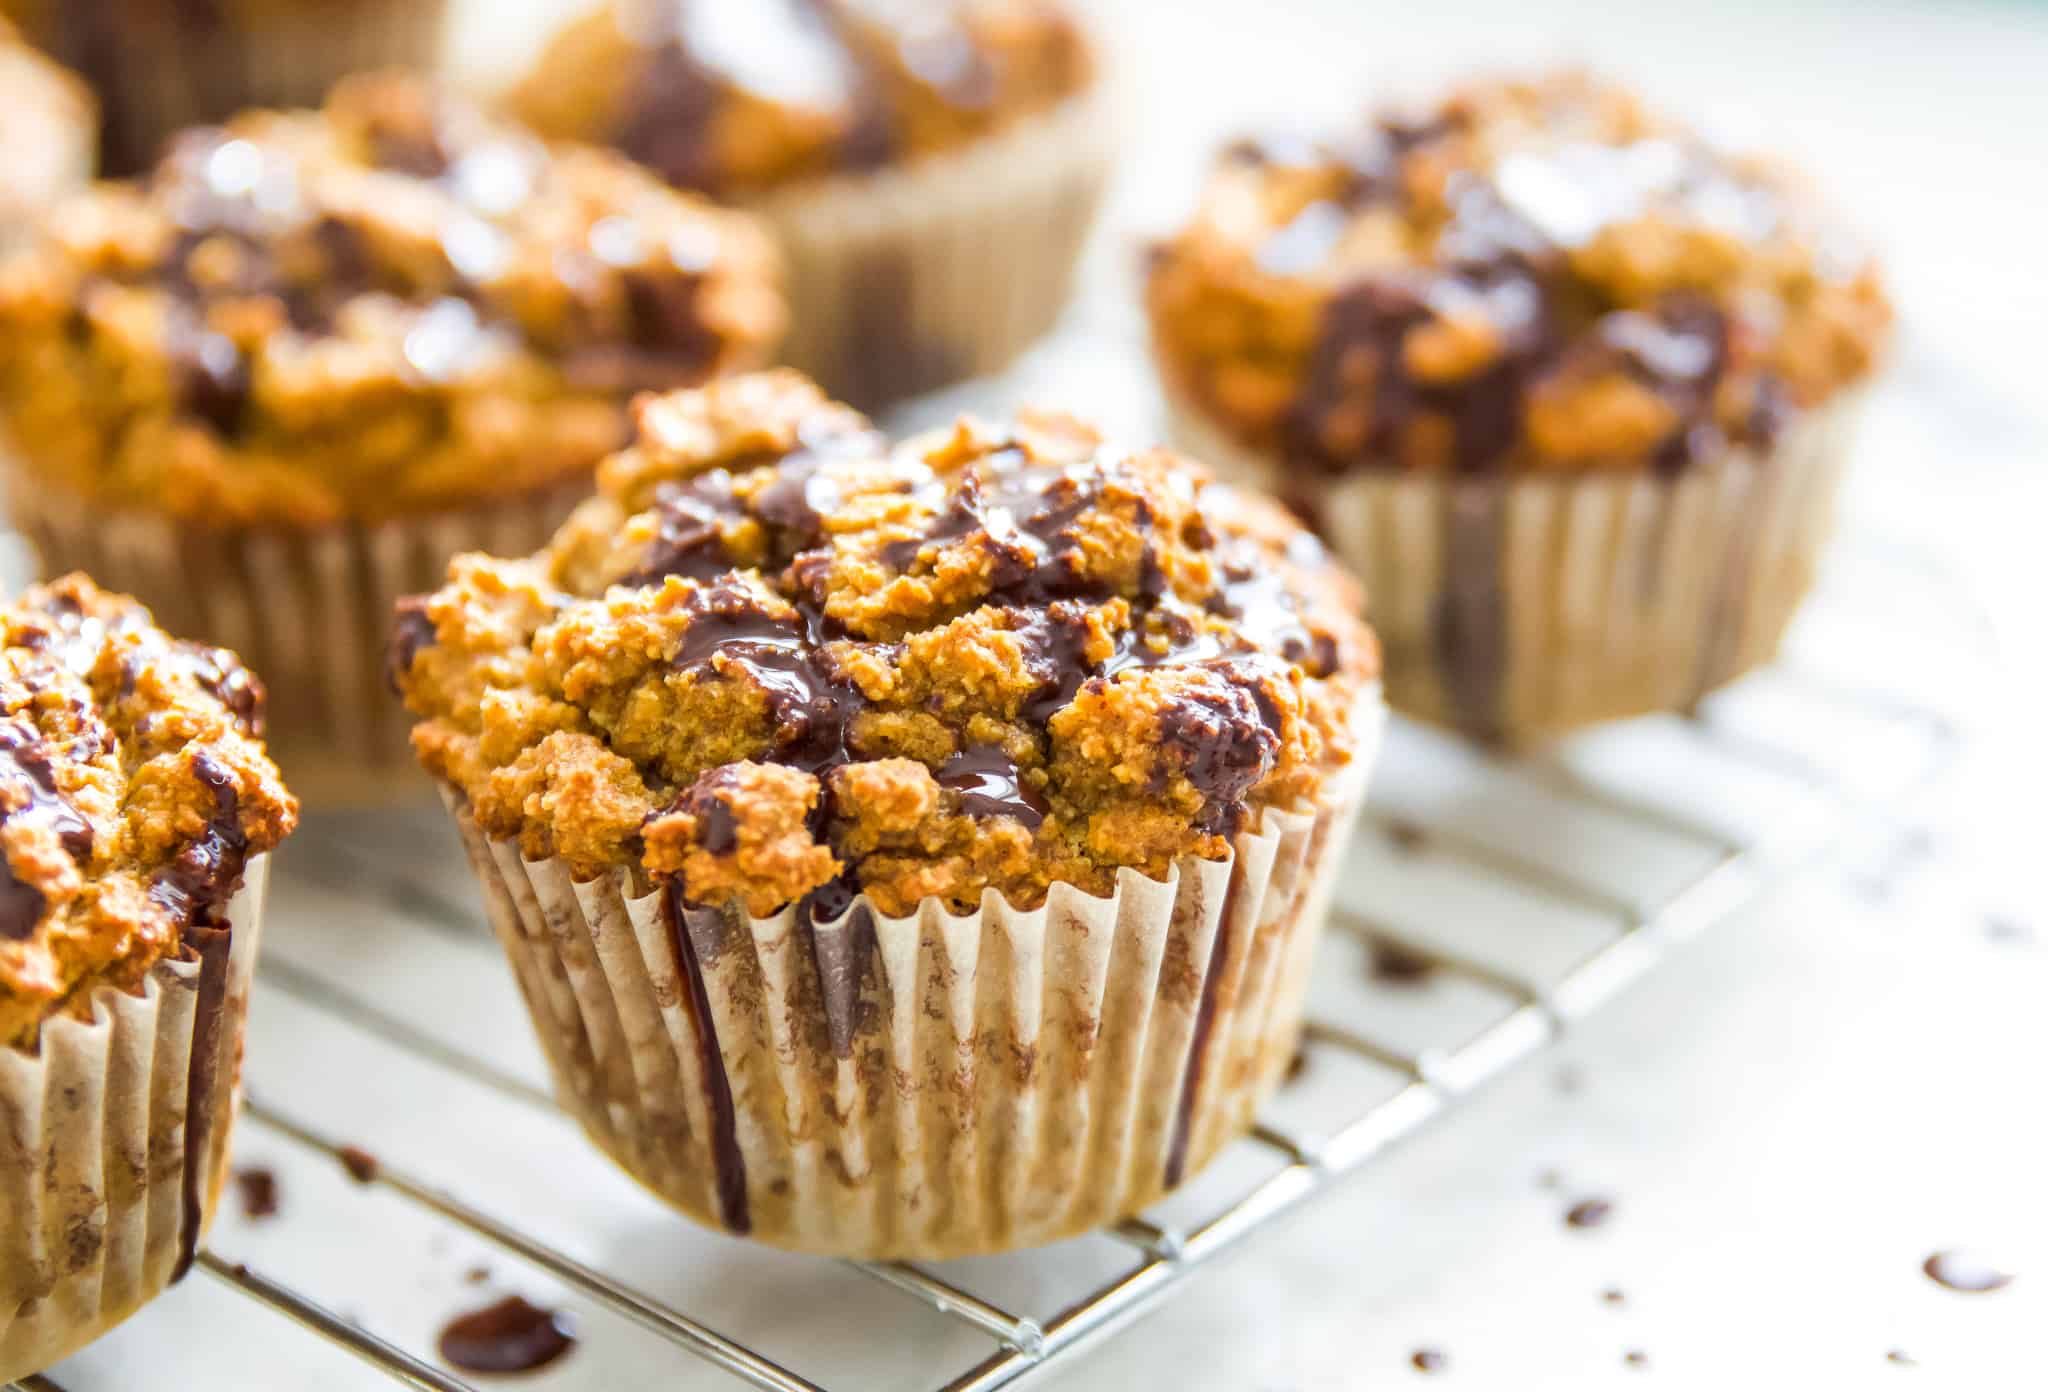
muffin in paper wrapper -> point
(933, 1085)
(913, 277)
(309, 608)
(1519, 607)
(160, 68)
(114, 1143)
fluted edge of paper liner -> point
(1516, 609)
(951, 1084)
(93, 1135)
(308, 609)
(911, 278)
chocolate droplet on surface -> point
(512, 1336)
(259, 1193)
(1966, 1272)
(1589, 1213)
(1429, 1360)
(362, 1166)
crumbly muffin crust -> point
(1535, 274)
(777, 658)
(49, 114)
(741, 96)
(133, 789)
(391, 306)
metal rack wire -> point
(1160, 1256)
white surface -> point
(1790, 1115)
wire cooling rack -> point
(1520, 894)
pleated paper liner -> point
(114, 1144)
(933, 1085)
(158, 70)
(907, 279)
(1519, 608)
(309, 610)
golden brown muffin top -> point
(777, 657)
(49, 116)
(741, 96)
(1533, 274)
(133, 789)
(389, 306)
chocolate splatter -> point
(1589, 1213)
(1397, 964)
(512, 1336)
(362, 1166)
(1966, 1272)
(258, 1189)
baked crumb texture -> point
(133, 787)
(390, 306)
(1533, 275)
(778, 659)
(737, 97)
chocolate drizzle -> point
(28, 789)
(988, 784)
(798, 51)
(730, 1165)
(1501, 257)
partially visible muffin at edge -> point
(932, 170)
(738, 97)
(778, 657)
(137, 808)
(277, 384)
(1571, 386)
(392, 305)
(133, 788)
(161, 67)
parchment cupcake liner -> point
(114, 1143)
(907, 279)
(933, 1085)
(1518, 608)
(158, 73)
(310, 609)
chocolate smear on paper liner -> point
(1469, 625)
(685, 925)
(202, 1079)
(1204, 1026)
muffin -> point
(931, 170)
(1570, 387)
(280, 383)
(904, 851)
(51, 125)
(161, 67)
(137, 809)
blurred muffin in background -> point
(1568, 386)
(137, 812)
(931, 169)
(48, 134)
(278, 384)
(161, 67)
